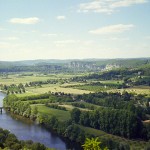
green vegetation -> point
(105, 137)
(59, 66)
(92, 144)
(55, 88)
(113, 105)
(60, 114)
(97, 86)
(9, 141)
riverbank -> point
(65, 127)
(24, 129)
(10, 141)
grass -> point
(39, 101)
(66, 85)
(134, 144)
(112, 82)
(27, 93)
(108, 85)
(16, 79)
(60, 114)
(136, 90)
(20, 78)
(70, 107)
(54, 88)
(92, 88)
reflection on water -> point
(26, 130)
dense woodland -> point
(142, 73)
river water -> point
(25, 130)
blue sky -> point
(68, 29)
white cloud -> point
(11, 38)
(88, 42)
(50, 34)
(107, 6)
(32, 20)
(119, 28)
(65, 42)
(7, 45)
(61, 17)
(115, 38)
(3, 44)
(126, 3)
(119, 39)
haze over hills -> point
(57, 61)
(52, 65)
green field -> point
(136, 90)
(70, 107)
(19, 78)
(91, 85)
(27, 93)
(60, 114)
(16, 79)
(91, 88)
(54, 88)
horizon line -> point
(74, 59)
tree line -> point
(13, 88)
(9, 141)
(118, 122)
(19, 107)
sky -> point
(74, 29)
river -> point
(26, 130)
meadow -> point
(55, 88)
(60, 114)
(135, 90)
(31, 77)
(18, 78)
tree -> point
(34, 113)
(124, 146)
(23, 90)
(75, 115)
(20, 86)
(35, 110)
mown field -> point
(136, 90)
(18, 78)
(55, 88)
(26, 78)
(60, 114)
(71, 87)
(95, 86)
